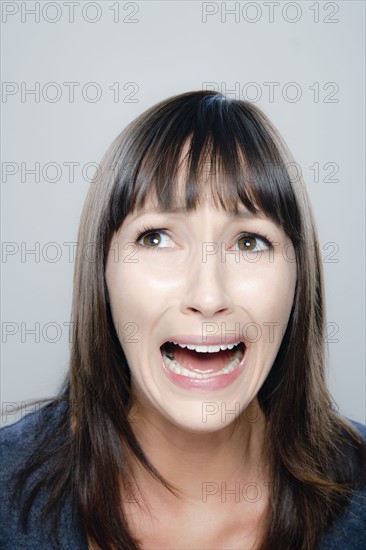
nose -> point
(206, 289)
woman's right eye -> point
(154, 239)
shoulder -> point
(19, 442)
(361, 428)
(349, 531)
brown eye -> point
(151, 239)
(247, 242)
(155, 239)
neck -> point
(204, 466)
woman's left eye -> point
(154, 238)
(253, 243)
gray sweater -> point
(18, 442)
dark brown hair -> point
(317, 457)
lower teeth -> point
(174, 366)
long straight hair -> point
(316, 457)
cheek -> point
(135, 285)
(267, 293)
(125, 302)
(139, 296)
(129, 309)
(280, 291)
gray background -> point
(148, 51)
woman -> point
(196, 413)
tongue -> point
(202, 362)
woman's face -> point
(199, 278)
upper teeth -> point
(207, 349)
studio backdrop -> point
(74, 74)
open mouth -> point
(202, 361)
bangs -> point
(218, 149)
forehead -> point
(209, 183)
(152, 206)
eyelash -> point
(145, 230)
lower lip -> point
(217, 382)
